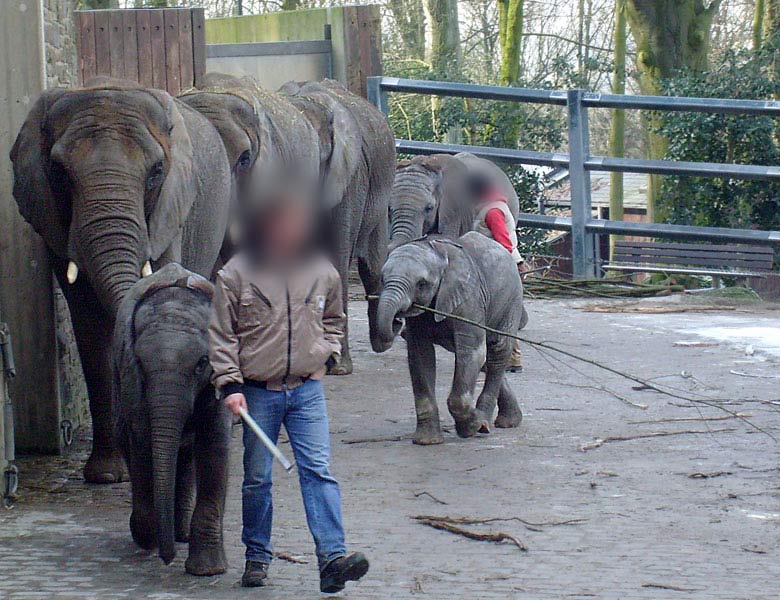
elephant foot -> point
(470, 426)
(105, 466)
(143, 531)
(428, 433)
(509, 419)
(206, 560)
(343, 367)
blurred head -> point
(479, 187)
(282, 231)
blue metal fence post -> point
(582, 243)
(376, 95)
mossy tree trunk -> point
(759, 12)
(670, 35)
(444, 53)
(97, 4)
(510, 36)
(618, 125)
(409, 17)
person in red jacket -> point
(494, 220)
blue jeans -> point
(302, 411)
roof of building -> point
(634, 189)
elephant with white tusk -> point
(472, 277)
(117, 179)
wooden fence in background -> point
(160, 48)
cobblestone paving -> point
(694, 515)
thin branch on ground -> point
(374, 440)
(606, 390)
(474, 535)
(666, 586)
(530, 525)
(290, 558)
(598, 443)
(686, 419)
(755, 376)
(431, 496)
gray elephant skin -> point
(472, 277)
(430, 195)
(172, 429)
(318, 128)
(114, 176)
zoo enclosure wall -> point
(583, 227)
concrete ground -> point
(683, 508)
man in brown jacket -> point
(277, 321)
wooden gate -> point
(160, 48)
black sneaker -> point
(255, 574)
(340, 570)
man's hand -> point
(319, 373)
(234, 402)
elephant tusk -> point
(146, 270)
(72, 273)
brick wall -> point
(60, 36)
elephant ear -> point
(344, 157)
(459, 280)
(456, 215)
(178, 190)
(37, 201)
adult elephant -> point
(118, 180)
(430, 195)
(317, 128)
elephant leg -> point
(142, 520)
(509, 413)
(212, 440)
(469, 358)
(185, 494)
(341, 244)
(486, 403)
(92, 327)
(370, 268)
(422, 368)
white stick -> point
(288, 466)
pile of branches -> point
(543, 287)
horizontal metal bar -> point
(470, 90)
(507, 155)
(669, 167)
(268, 49)
(653, 269)
(682, 232)
(656, 230)
(677, 104)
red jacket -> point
(495, 221)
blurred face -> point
(283, 233)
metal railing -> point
(583, 227)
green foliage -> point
(724, 139)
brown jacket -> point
(274, 328)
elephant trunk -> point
(393, 300)
(106, 238)
(167, 423)
(406, 224)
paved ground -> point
(694, 515)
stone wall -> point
(60, 36)
(61, 63)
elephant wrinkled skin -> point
(114, 177)
(172, 429)
(472, 277)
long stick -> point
(288, 466)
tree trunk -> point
(409, 17)
(670, 35)
(444, 52)
(758, 23)
(99, 4)
(510, 35)
(291, 4)
(618, 125)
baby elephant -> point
(171, 428)
(472, 277)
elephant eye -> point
(202, 365)
(423, 284)
(155, 175)
(244, 161)
(429, 208)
